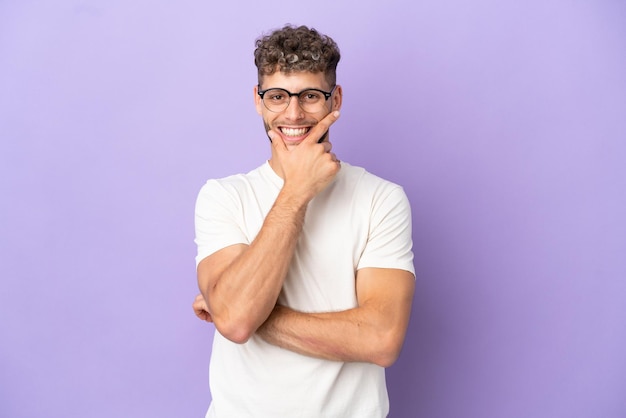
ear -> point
(337, 97)
(257, 100)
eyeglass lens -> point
(278, 100)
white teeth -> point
(294, 131)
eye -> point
(310, 96)
(277, 97)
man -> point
(304, 264)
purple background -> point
(505, 121)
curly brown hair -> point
(292, 49)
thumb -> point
(276, 140)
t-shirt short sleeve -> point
(389, 243)
(217, 219)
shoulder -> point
(231, 184)
(363, 182)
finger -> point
(197, 307)
(276, 140)
(205, 316)
(199, 304)
(202, 312)
(322, 126)
(198, 301)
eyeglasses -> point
(310, 100)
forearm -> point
(372, 332)
(242, 292)
(354, 335)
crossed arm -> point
(240, 284)
(372, 332)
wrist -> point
(295, 198)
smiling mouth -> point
(294, 132)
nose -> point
(294, 111)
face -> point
(294, 124)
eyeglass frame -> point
(261, 93)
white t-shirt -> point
(358, 221)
